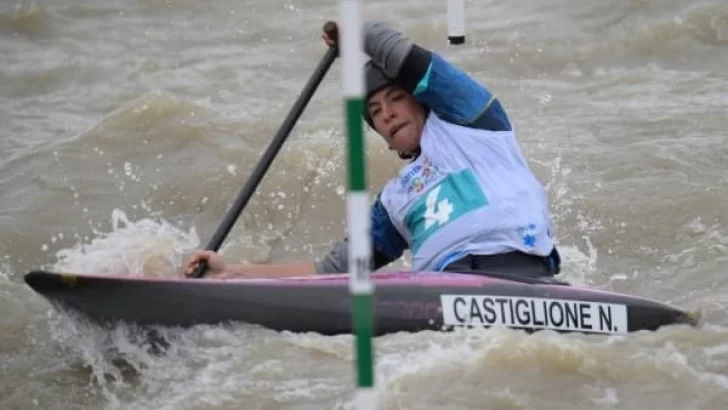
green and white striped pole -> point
(357, 210)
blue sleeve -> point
(386, 240)
(455, 97)
(387, 245)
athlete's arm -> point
(387, 244)
(270, 271)
(218, 268)
(446, 89)
(337, 260)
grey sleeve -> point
(386, 46)
(336, 261)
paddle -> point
(257, 175)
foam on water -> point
(480, 364)
(5, 269)
(156, 112)
(202, 367)
(145, 247)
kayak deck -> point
(403, 301)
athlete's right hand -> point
(330, 33)
(215, 263)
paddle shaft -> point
(259, 172)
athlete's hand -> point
(215, 263)
(331, 33)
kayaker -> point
(465, 201)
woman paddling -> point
(466, 201)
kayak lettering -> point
(409, 309)
(403, 309)
(533, 313)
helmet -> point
(376, 79)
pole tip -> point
(456, 40)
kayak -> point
(403, 302)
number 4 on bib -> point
(437, 212)
(456, 195)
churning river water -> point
(129, 127)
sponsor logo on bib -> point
(418, 176)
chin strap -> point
(412, 156)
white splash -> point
(129, 171)
(5, 269)
(145, 247)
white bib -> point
(469, 192)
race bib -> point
(457, 194)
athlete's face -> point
(398, 117)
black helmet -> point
(376, 79)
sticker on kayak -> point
(535, 313)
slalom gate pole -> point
(456, 22)
(351, 43)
